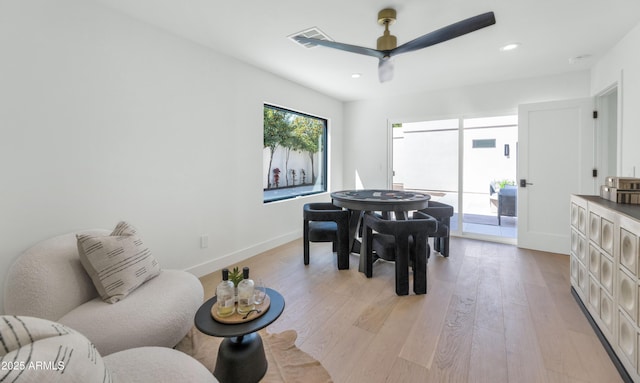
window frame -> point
(295, 190)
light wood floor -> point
(492, 313)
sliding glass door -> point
(489, 176)
(469, 164)
(425, 158)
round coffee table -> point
(241, 355)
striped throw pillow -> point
(36, 350)
(118, 263)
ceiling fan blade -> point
(341, 46)
(385, 69)
(447, 33)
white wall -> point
(103, 118)
(621, 65)
(425, 160)
(428, 159)
(367, 134)
(298, 161)
(483, 166)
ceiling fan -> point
(387, 43)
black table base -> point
(241, 356)
(241, 359)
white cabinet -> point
(604, 270)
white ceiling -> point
(255, 31)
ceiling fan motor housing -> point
(387, 41)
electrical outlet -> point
(204, 241)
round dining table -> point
(360, 201)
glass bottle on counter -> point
(245, 293)
(225, 293)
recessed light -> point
(356, 75)
(510, 47)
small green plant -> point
(503, 183)
(235, 276)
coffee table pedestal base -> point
(241, 359)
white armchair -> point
(37, 350)
(48, 281)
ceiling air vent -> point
(314, 33)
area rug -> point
(287, 363)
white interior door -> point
(556, 159)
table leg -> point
(354, 222)
(401, 215)
(402, 266)
(241, 359)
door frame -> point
(604, 128)
(535, 235)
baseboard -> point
(605, 343)
(240, 255)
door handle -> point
(524, 183)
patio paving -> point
(480, 216)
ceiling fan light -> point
(385, 69)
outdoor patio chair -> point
(324, 222)
(507, 202)
(403, 242)
(442, 213)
